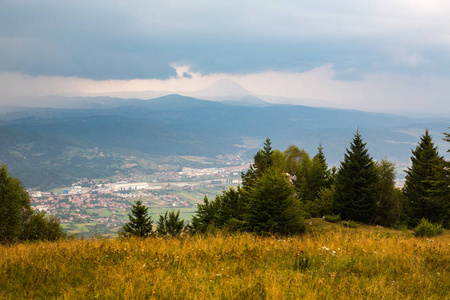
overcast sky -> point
(381, 55)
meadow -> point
(330, 261)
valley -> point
(100, 207)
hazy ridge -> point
(34, 139)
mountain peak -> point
(224, 88)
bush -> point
(333, 218)
(350, 224)
(40, 226)
(18, 221)
(427, 229)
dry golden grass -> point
(330, 262)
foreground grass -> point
(330, 261)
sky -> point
(381, 56)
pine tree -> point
(170, 224)
(355, 196)
(273, 207)
(303, 182)
(420, 183)
(319, 174)
(447, 138)
(206, 216)
(262, 161)
(140, 224)
(231, 209)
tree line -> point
(281, 189)
(278, 191)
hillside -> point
(330, 262)
(177, 125)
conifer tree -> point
(272, 207)
(231, 209)
(422, 183)
(206, 215)
(170, 224)
(314, 185)
(261, 161)
(140, 224)
(355, 196)
(304, 178)
(319, 174)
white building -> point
(129, 186)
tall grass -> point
(330, 261)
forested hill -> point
(177, 125)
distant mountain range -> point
(179, 125)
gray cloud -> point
(141, 39)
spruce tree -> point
(355, 196)
(303, 182)
(421, 181)
(231, 209)
(140, 224)
(272, 207)
(261, 161)
(170, 224)
(206, 216)
(319, 174)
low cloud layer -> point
(348, 51)
(377, 92)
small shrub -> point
(350, 224)
(427, 229)
(333, 218)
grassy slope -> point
(330, 261)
